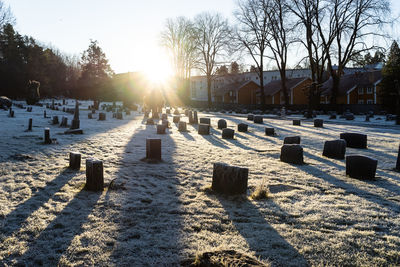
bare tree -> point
(351, 23)
(6, 16)
(280, 30)
(212, 36)
(178, 38)
(251, 34)
(307, 12)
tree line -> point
(24, 59)
(330, 33)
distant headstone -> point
(94, 175)
(30, 124)
(119, 116)
(47, 139)
(190, 116)
(250, 117)
(296, 122)
(150, 121)
(204, 129)
(361, 167)
(242, 127)
(335, 149)
(164, 116)
(354, 140)
(269, 131)
(228, 133)
(229, 180)
(195, 117)
(176, 119)
(222, 124)
(153, 149)
(292, 154)
(74, 160)
(64, 122)
(75, 124)
(55, 120)
(160, 129)
(90, 116)
(258, 119)
(182, 126)
(398, 160)
(102, 116)
(318, 123)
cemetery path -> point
(162, 214)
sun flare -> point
(158, 69)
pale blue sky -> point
(127, 30)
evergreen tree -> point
(96, 73)
(391, 79)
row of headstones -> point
(94, 167)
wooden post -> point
(74, 160)
(94, 175)
(153, 148)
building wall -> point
(247, 94)
(300, 93)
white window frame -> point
(360, 91)
(370, 90)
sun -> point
(158, 69)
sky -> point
(128, 31)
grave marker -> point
(229, 180)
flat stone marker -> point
(182, 126)
(332, 117)
(242, 127)
(204, 129)
(297, 122)
(292, 140)
(47, 139)
(318, 123)
(349, 116)
(258, 119)
(229, 180)
(354, 140)
(161, 129)
(361, 167)
(335, 149)
(292, 154)
(176, 119)
(205, 121)
(250, 117)
(74, 160)
(153, 148)
(269, 131)
(228, 133)
(222, 124)
(102, 116)
(94, 175)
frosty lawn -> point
(164, 213)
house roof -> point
(350, 81)
(274, 87)
(235, 86)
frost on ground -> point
(162, 214)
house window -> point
(360, 91)
(361, 101)
(369, 90)
(194, 95)
(370, 101)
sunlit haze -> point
(127, 31)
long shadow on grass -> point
(349, 188)
(259, 234)
(147, 217)
(61, 231)
(15, 219)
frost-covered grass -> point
(162, 214)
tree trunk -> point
(209, 91)
(335, 88)
(262, 94)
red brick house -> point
(355, 88)
(297, 90)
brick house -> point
(297, 90)
(240, 92)
(355, 88)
